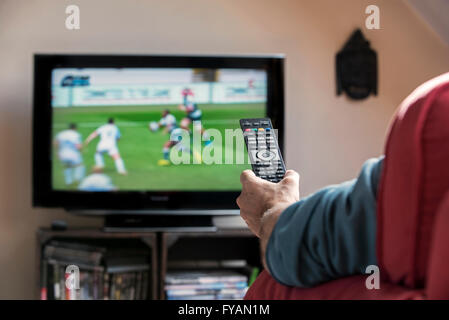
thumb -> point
(291, 177)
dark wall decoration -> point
(356, 67)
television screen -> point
(116, 128)
(154, 134)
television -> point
(104, 127)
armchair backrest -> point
(414, 181)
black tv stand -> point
(154, 223)
(166, 251)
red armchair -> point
(412, 210)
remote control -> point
(263, 149)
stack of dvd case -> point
(205, 285)
(104, 273)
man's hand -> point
(260, 198)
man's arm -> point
(92, 136)
(325, 236)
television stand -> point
(153, 223)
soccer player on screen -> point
(194, 114)
(170, 125)
(69, 145)
(109, 136)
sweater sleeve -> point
(328, 235)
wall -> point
(328, 137)
(434, 13)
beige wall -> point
(328, 137)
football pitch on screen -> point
(141, 149)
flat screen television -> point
(128, 133)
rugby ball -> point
(153, 126)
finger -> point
(291, 172)
(239, 200)
(244, 216)
(247, 175)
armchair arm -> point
(438, 271)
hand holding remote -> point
(260, 198)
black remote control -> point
(263, 149)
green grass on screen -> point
(141, 149)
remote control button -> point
(265, 155)
(261, 165)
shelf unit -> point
(223, 244)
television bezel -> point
(175, 202)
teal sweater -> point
(328, 235)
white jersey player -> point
(97, 182)
(109, 136)
(69, 144)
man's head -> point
(165, 112)
(111, 120)
(72, 126)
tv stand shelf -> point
(165, 248)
